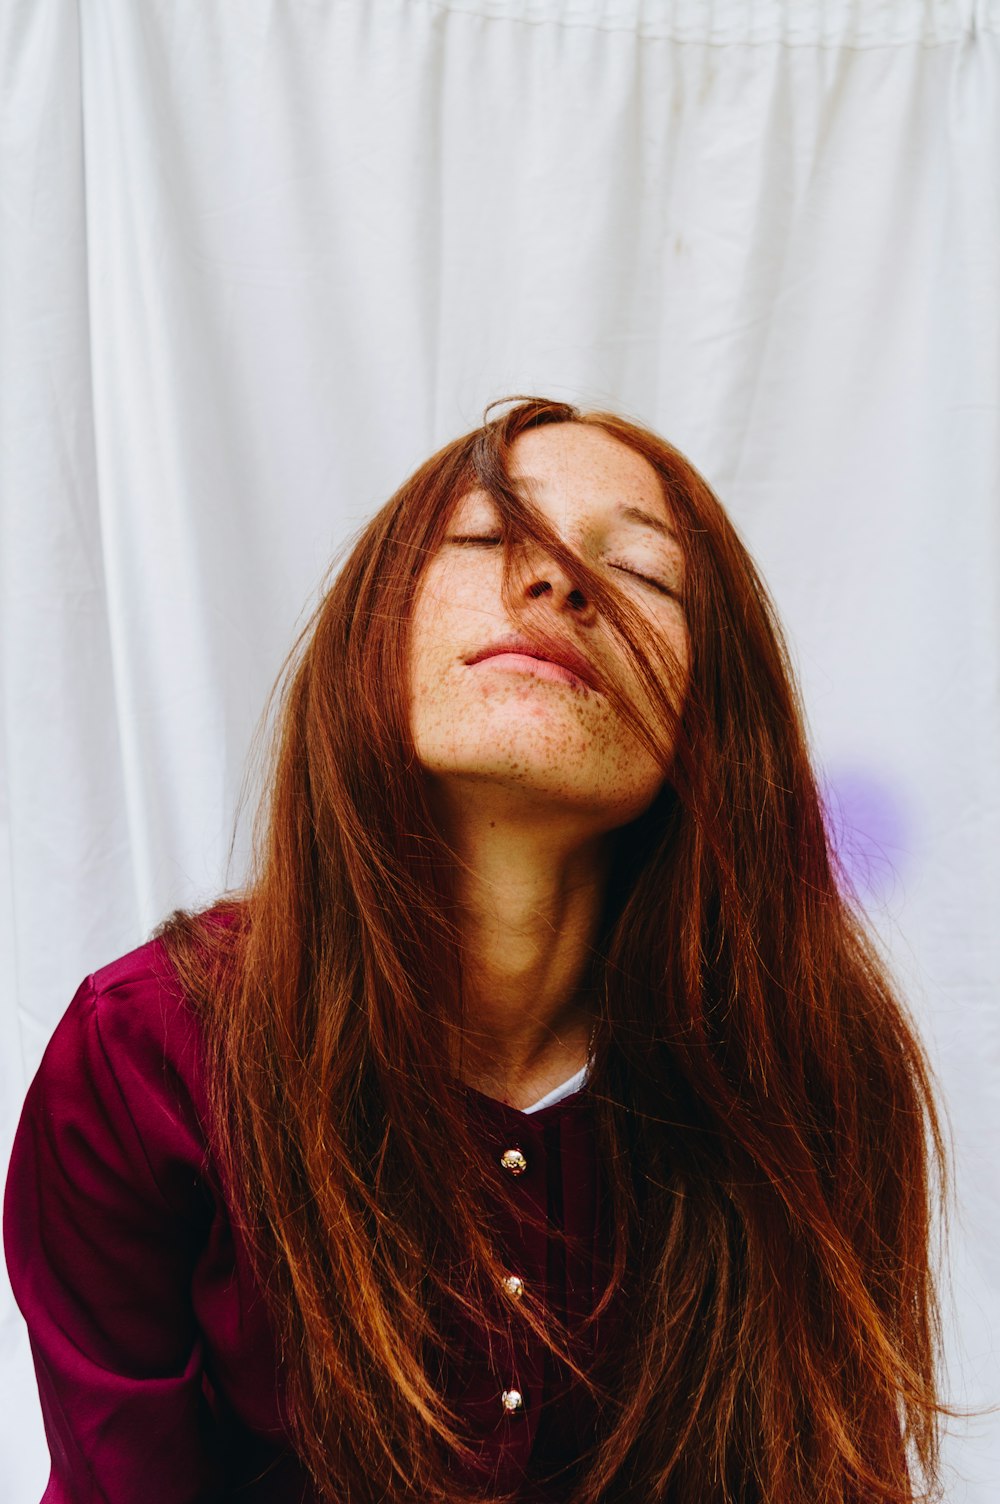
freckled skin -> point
(529, 776)
(517, 742)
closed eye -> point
(625, 568)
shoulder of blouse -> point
(146, 1024)
(128, 1051)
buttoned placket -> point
(498, 1385)
(523, 1161)
(501, 1386)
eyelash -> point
(626, 569)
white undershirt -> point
(558, 1092)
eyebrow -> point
(636, 514)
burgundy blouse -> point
(154, 1355)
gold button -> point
(514, 1161)
(514, 1285)
(512, 1401)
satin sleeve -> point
(104, 1214)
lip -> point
(548, 650)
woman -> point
(539, 1122)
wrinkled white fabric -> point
(259, 260)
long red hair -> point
(764, 1105)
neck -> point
(529, 907)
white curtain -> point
(259, 260)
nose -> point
(551, 578)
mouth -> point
(538, 668)
(558, 661)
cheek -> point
(436, 641)
(440, 594)
(678, 655)
(425, 623)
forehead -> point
(573, 459)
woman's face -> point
(524, 739)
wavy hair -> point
(764, 1105)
